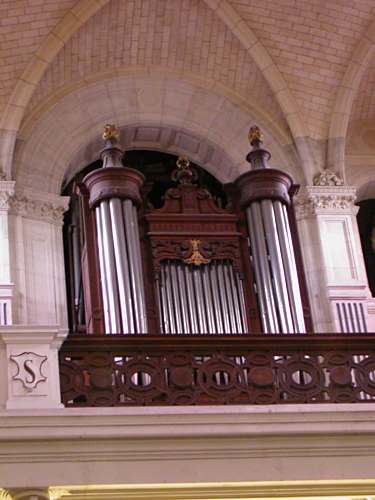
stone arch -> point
(344, 99)
(210, 119)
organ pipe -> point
(198, 309)
(265, 194)
(114, 196)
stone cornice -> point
(332, 199)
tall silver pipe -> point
(183, 298)
(163, 294)
(228, 291)
(122, 266)
(159, 303)
(242, 302)
(277, 268)
(144, 328)
(200, 301)
(176, 297)
(223, 298)
(264, 316)
(216, 299)
(133, 267)
(292, 269)
(264, 268)
(110, 268)
(236, 300)
(103, 277)
(191, 299)
(208, 300)
(170, 306)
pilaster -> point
(36, 259)
(6, 284)
(333, 257)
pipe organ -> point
(198, 255)
(188, 266)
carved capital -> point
(6, 193)
(314, 200)
(41, 206)
(328, 178)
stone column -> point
(6, 284)
(333, 258)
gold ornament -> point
(183, 162)
(196, 257)
(255, 134)
(110, 132)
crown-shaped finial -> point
(257, 157)
(110, 132)
(111, 154)
(184, 173)
(255, 136)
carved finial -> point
(327, 178)
(184, 174)
(183, 162)
(255, 136)
(257, 157)
(111, 154)
(110, 132)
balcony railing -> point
(136, 370)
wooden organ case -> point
(199, 273)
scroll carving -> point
(195, 252)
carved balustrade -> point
(137, 370)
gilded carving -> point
(110, 132)
(196, 257)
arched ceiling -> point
(302, 64)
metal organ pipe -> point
(264, 270)
(110, 269)
(103, 278)
(122, 265)
(114, 191)
(290, 266)
(264, 194)
(195, 299)
(277, 267)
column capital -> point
(7, 189)
(33, 204)
(325, 199)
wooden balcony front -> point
(141, 370)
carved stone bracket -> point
(314, 200)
